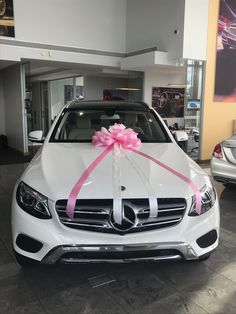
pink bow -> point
(117, 133)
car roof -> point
(105, 104)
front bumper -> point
(120, 253)
(223, 171)
(60, 243)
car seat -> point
(83, 130)
(130, 120)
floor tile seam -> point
(116, 302)
(193, 302)
(225, 240)
(28, 286)
(180, 291)
(41, 299)
(232, 281)
(35, 294)
(27, 282)
(165, 283)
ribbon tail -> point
(117, 201)
(70, 208)
(117, 210)
(179, 175)
(153, 203)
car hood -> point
(58, 166)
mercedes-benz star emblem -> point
(128, 218)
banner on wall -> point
(225, 77)
(168, 102)
(70, 94)
(115, 94)
(7, 23)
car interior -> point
(81, 126)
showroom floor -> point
(177, 287)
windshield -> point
(80, 125)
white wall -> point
(152, 23)
(2, 108)
(195, 29)
(90, 24)
(162, 78)
(94, 86)
(13, 107)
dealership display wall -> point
(120, 37)
(217, 116)
(98, 25)
(164, 78)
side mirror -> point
(180, 136)
(36, 136)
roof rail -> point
(142, 103)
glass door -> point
(45, 112)
(192, 116)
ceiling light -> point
(127, 88)
(177, 85)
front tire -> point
(24, 261)
(204, 257)
(230, 186)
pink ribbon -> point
(127, 139)
(179, 175)
(70, 208)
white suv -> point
(147, 203)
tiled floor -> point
(177, 287)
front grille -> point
(232, 30)
(96, 214)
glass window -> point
(80, 125)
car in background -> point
(158, 176)
(223, 162)
(227, 24)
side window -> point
(144, 124)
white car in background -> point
(42, 231)
(223, 162)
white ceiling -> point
(49, 70)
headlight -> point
(208, 196)
(32, 201)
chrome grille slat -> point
(86, 212)
(158, 223)
(163, 210)
(91, 208)
(91, 215)
(87, 225)
(83, 220)
(159, 219)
